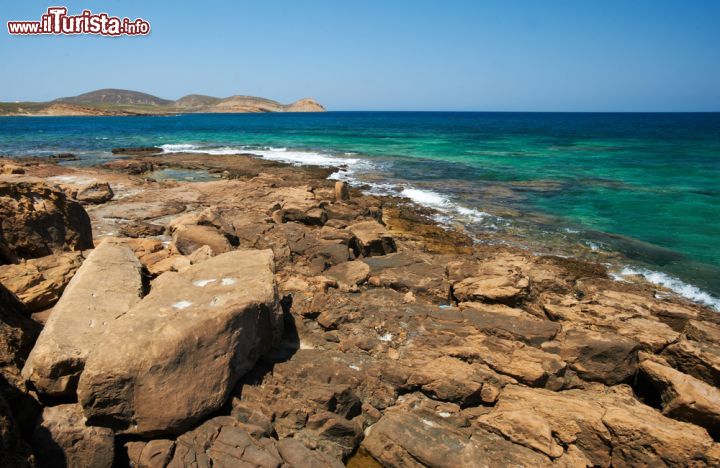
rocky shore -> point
(267, 316)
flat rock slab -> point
(175, 356)
(106, 286)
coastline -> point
(394, 338)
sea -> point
(639, 191)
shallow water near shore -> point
(642, 185)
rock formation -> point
(268, 319)
(37, 219)
(107, 284)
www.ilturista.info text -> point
(57, 21)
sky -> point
(474, 55)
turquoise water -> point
(646, 185)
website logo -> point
(57, 21)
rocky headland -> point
(267, 316)
(120, 102)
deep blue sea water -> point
(644, 185)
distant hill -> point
(117, 97)
(196, 100)
(125, 102)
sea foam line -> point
(688, 291)
(297, 158)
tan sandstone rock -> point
(372, 238)
(349, 274)
(174, 357)
(98, 192)
(104, 288)
(39, 282)
(188, 238)
(341, 191)
(684, 397)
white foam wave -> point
(426, 198)
(298, 158)
(681, 288)
(174, 148)
(442, 203)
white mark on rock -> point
(444, 414)
(227, 281)
(386, 337)
(354, 367)
(304, 345)
(428, 423)
(182, 305)
(203, 283)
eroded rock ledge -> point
(271, 318)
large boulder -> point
(175, 356)
(105, 287)
(62, 439)
(39, 282)
(37, 219)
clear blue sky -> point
(534, 55)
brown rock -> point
(415, 435)
(699, 360)
(98, 192)
(37, 219)
(62, 439)
(12, 169)
(39, 282)
(189, 238)
(509, 323)
(684, 397)
(410, 271)
(341, 191)
(14, 452)
(702, 332)
(141, 229)
(598, 357)
(225, 441)
(156, 453)
(17, 336)
(84, 312)
(529, 365)
(609, 427)
(132, 167)
(372, 238)
(506, 287)
(349, 273)
(174, 357)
